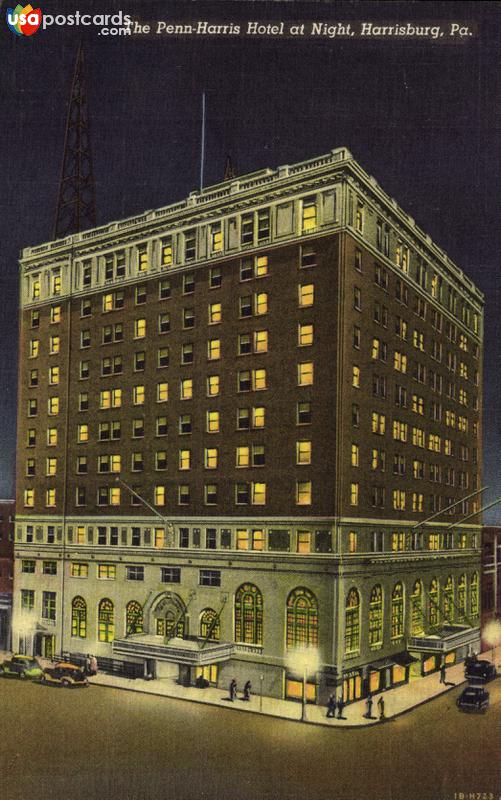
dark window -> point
(136, 537)
(279, 540)
(210, 577)
(114, 535)
(215, 278)
(242, 493)
(101, 532)
(323, 542)
(303, 413)
(210, 538)
(184, 537)
(51, 534)
(171, 574)
(226, 538)
(308, 256)
(135, 573)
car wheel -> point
(23, 676)
(65, 683)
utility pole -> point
(76, 207)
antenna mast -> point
(76, 207)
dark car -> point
(66, 675)
(19, 666)
(479, 670)
(473, 698)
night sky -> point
(421, 116)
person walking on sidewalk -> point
(443, 676)
(340, 708)
(331, 707)
(92, 665)
(368, 705)
(233, 690)
(247, 691)
(380, 705)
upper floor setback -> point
(268, 208)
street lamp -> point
(306, 661)
(261, 679)
(492, 635)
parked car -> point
(473, 698)
(479, 670)
(24, 667)
(66, 675)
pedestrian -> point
(92, 665)
(331, 707)
(443, 674)
(247, 691)
(368, 705)
(380, 705)
(233, 690)
(87, 664)
(340, 707)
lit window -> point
(354, 489)
(55, 314)
(355, 381)
(258, 494)
(260, 303)
(305, 335)
(29, 498)
(258, 417)
(303, 452)
(212, 421)
(309, 215)
(260, 341)
(138, 395)
(162, 392)
(399, 500)
(166, 253)
(114, 496)
(355, 455)
(82, 433)
(258, 379)
(142, 259)
(303, 493)
(51, 466)
(242, 539)
(53, 406)
(50, 498)
(52, 437)
(352, 541)
(212, 385)
(139, 328)
(306, 294)
(216, 238)
(53, 375)
(261, 266)
(215, 313)
(305, 373)
(213, 349)
(210, 457)
(186, 388)
(159, 498)
(304, 541)
(184, 459)
(242, 456)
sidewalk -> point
(397, 701)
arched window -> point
(434, 610)
(210, 625)
(417, 609)
(352, 622)
(105, 621)
(79, 617)
(461, 598)
(249, 614)
(134, 618)
(376, 617)
(397, 611)
(474, 595)
(448, 599)
(302, 619)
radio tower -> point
(76, 207)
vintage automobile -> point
(24, 667)
(473, 698)
(64, 674)
(479, 670)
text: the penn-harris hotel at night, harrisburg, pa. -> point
(356, 29)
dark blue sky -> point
(422, 117)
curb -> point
(256, 712)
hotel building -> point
(236, 415)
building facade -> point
(236, 415)
(491, 585)
(7, 513)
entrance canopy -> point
(448, 638)
(190, 651)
